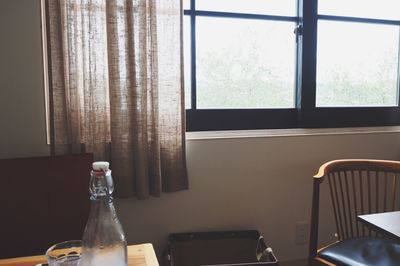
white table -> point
(387, 223)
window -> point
(256, 64)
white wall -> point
(244, 183)
(250, 183)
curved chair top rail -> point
(358, 164)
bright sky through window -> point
(380, 9)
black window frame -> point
(305, 114)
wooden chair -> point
(44, 200)
(356, 187)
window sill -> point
(201, 135)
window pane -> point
(186, 4)
(245, 63)
(270, 7)
(381, 9)
(356, 64)
(187, 61)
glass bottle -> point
(103, 241)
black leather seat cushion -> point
(365, 251)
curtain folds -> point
(116, 88)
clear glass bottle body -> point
(103, 239)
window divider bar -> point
(193, 86)
(307, 87)
(239, 15)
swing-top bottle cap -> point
(100, 166)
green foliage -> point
(244, 76)
(377, 87)
(250, 73)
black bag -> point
(231, 248)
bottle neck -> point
(101, 185)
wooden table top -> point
(388, 223)
(138, 255)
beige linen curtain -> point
(116, 89)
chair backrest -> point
(356, 187)
(44, 200)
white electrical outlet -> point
(301, 237)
